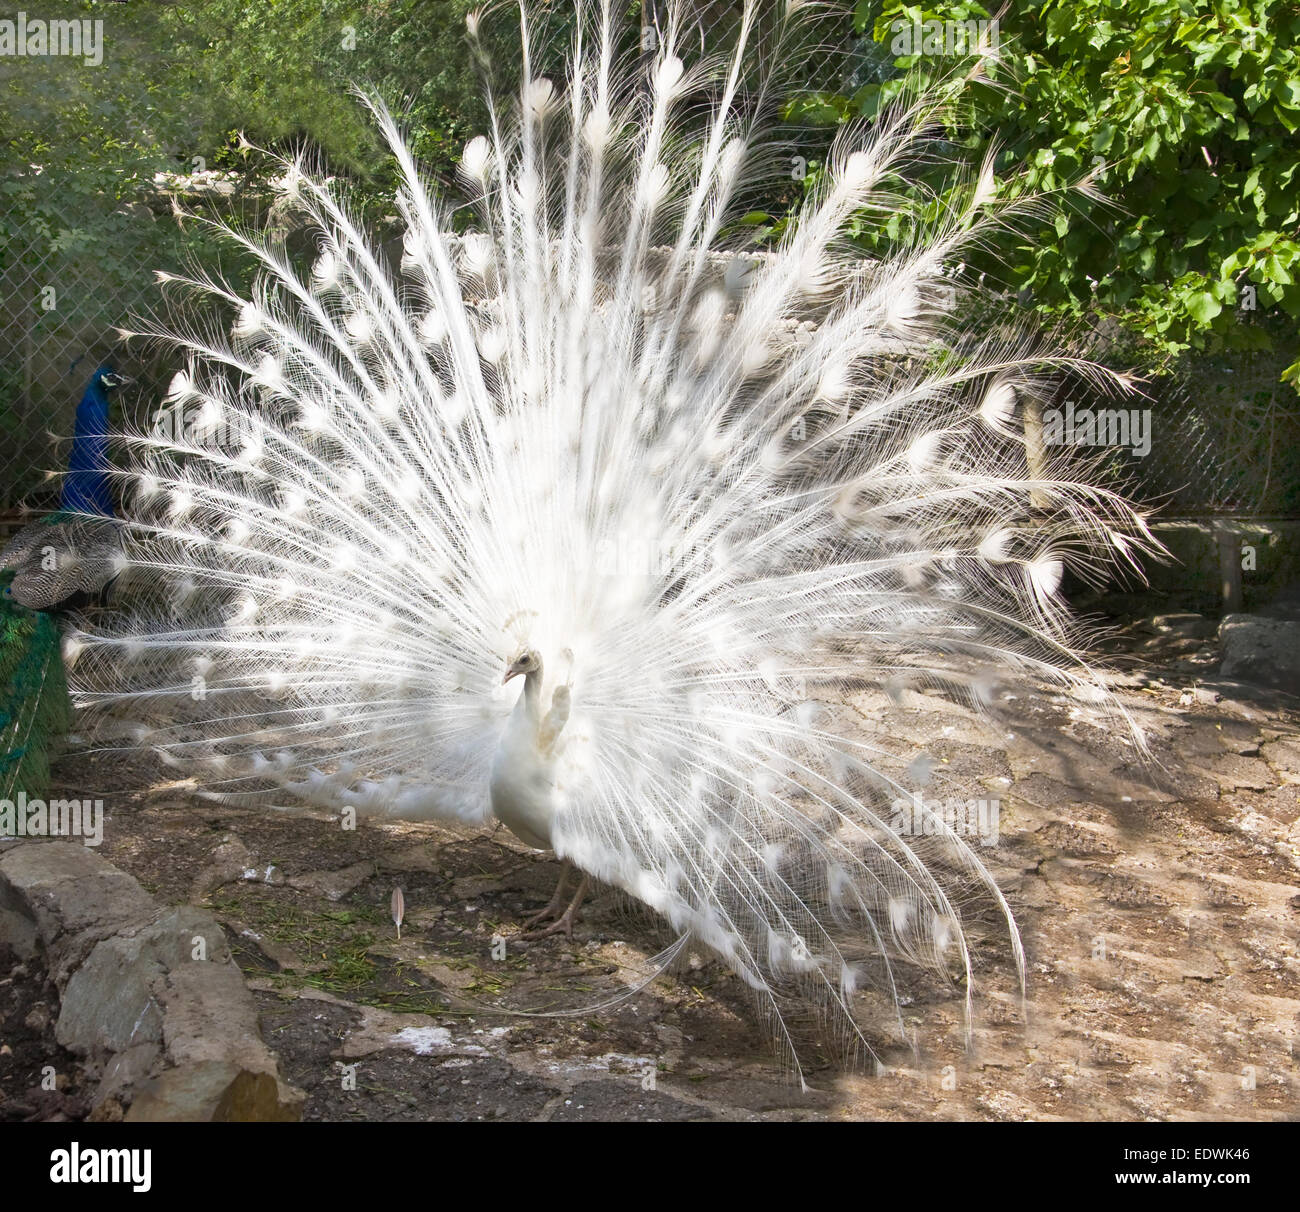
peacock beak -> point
(510, 673)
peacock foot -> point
(566, 911)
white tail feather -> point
(578, 432)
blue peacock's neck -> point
(86, 487)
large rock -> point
(212, 1091)
(149, 996)
(111, 1001)
(1261, 650)
(210, 1016)
(66, 899)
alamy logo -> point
(1098, 427)
(943, 37)
(35, 38)
(917, 817)
(204, 425)
(57, 818)
(78, 1165)
(637, 557)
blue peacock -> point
(59, 563)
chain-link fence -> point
(66, 289)
(1225, 438)
(71, 280)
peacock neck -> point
(86, 485)
(532, 696)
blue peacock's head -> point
(108, 378)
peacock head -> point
(108, 378)
(526, 661)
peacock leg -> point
(557, 901)
(565, 921)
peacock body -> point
(34, 707)
(52, 565)
(685, 495)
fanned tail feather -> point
(715, 488)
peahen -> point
(584, 520)
(60, 562)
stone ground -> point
(1159, 906)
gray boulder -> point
(1264, 651)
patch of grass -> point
(487, 984)
(341, 941)
(350, 966)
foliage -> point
(180, 83)
(95, 153)
(1187, 113)
(1186, 109)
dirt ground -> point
(1159, 907)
